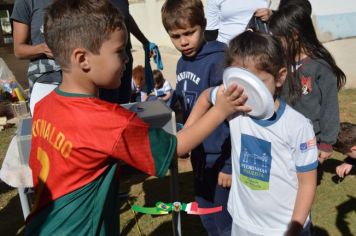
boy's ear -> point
(282, 75)
(80, 58)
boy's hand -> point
(224, 180)
(324, 156)
(343, 170)
(231, 100)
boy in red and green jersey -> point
(77, 139)
(74, 156)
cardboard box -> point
(156, 113)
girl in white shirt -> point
(274, 161)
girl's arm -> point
(204, 103)
(200, 108)
(166, 97)
(203, 122)
(22, 48)
(329, 111)
(305, 197)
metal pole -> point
(176, 222)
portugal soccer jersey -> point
(75, 148)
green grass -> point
(334, 210)
(333, 213)
(5, 138)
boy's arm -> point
(305, 196)
(343, 169)
(228, 102)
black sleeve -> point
(350, 161)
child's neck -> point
(74, 84)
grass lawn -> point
(333, 213)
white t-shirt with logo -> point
(266, 157)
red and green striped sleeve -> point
(145, 148)
(163, 148)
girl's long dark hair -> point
(294, 25)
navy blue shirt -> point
(194, 75)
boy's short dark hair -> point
(182, 13)
(346, 138)
(70, 24)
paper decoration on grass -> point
(162, 208)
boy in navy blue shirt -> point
(201, 67)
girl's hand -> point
(343, 170)
(231, 100)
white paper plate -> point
(259, 97)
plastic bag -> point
(5, 73)
(8, 84)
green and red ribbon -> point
(162, 208)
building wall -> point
(333, 19)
